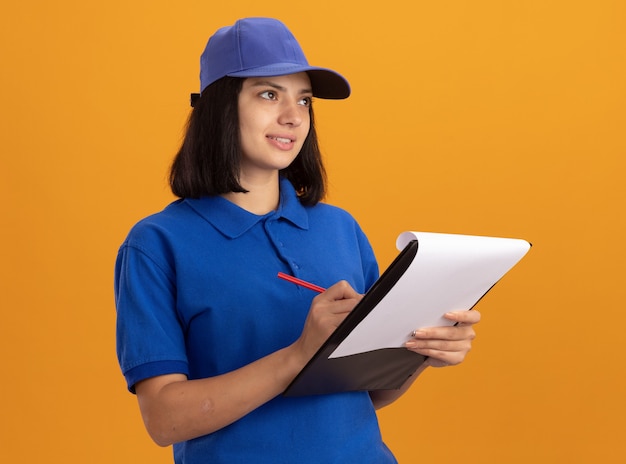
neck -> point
(262, 197)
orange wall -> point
(479, 117)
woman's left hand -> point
(446, 346)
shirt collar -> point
(233, 221)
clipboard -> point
(432, 274)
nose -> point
(291, 113)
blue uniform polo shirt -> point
(197, 293)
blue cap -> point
(264, 47)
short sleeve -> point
(150, 336)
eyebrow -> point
(266, 83)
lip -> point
(289, 137)
(282, 141)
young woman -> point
(208, 337)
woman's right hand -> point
(327, 311)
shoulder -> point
(160, 224)
(158, 235)
(335, 218)
(325, 210)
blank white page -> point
(449, 272)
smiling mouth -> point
(280, 139)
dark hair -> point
(209, 158)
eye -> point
(268, 95)
(306, 101)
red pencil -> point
(302, 283)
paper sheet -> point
(449, 272)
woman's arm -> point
(175, 409)
(444, 346)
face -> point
(274, 122)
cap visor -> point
(325, 82)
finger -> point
(340, 291)
(432, 346)
(443, 358)
(463, 317)
(324, 304)
(453, 354)
(342, 306)
(458, 332)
